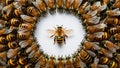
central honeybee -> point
(60, 34)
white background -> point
(72, 42)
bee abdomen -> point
(10, 37)
(14, 22)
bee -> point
(22, 35)
(110, 63)
(112, 21)
(68, 63)
(115, 12)
(3, 47)
(28, 19)
(111, 46)
(23, 60)
(85, 56)
(51, 4)
(7, 2)
(59, 3)
(3, 40)
(91, 18)
(12, 45)
(3, 55)
(26, 26)
(41, 5)
(117, 4)
(10, 37)
(51, 62)
(59, 34)
(17, 12)
(14, 21)
(118, 58)
(42, 62)
(6, 11)
(96, 28)
(12, 52)
(84, 8)
(99, 36)
(27, 42)
(76, 61)
(29, 65)
(76, 4)
(3, 23)
(60, 63)
(34, 46)
(32, 11)
(91, 46)
(68, 4)
(12, 62)
(114, 30)
(117, 37)
(106, 52)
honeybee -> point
(28, 19)
(91, 46)
(111, 46)
(12, 62)
(85, 56)
(77, 61)
(118, 58)
(114, 30)
(117, 4)
(3, 47)
(29, 65)
(112, 21)
(96, 28)
(3, 40)
(41, 5)
(12, 52)
(60, 34)
(42, 62)
(99, 36)
(22, 35)
(27, 42)
(3, 55)
(26, 26)
(6, 11)
(76, 4)
(14, 22)
(110, 63)
(51, 4)
(117, 37)
(59, 3)
(51, 62)
(106, 52)
(33, 11)
(60, 63)
(91, 20)
(68, 63)
(84, 8)
(10, 37)
(23, 60)
(34, 46)
(68, 4)
(12, 45)
(7, 2)
(17, 12)
(115, 12)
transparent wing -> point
(68, 31)
(49, 31)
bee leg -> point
(54, 40)
(64, 41)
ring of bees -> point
(100, 49)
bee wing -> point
(94, 20)
(50, 32)
(68, 31)
(103, 7)
(117, 11)
(92, 13)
